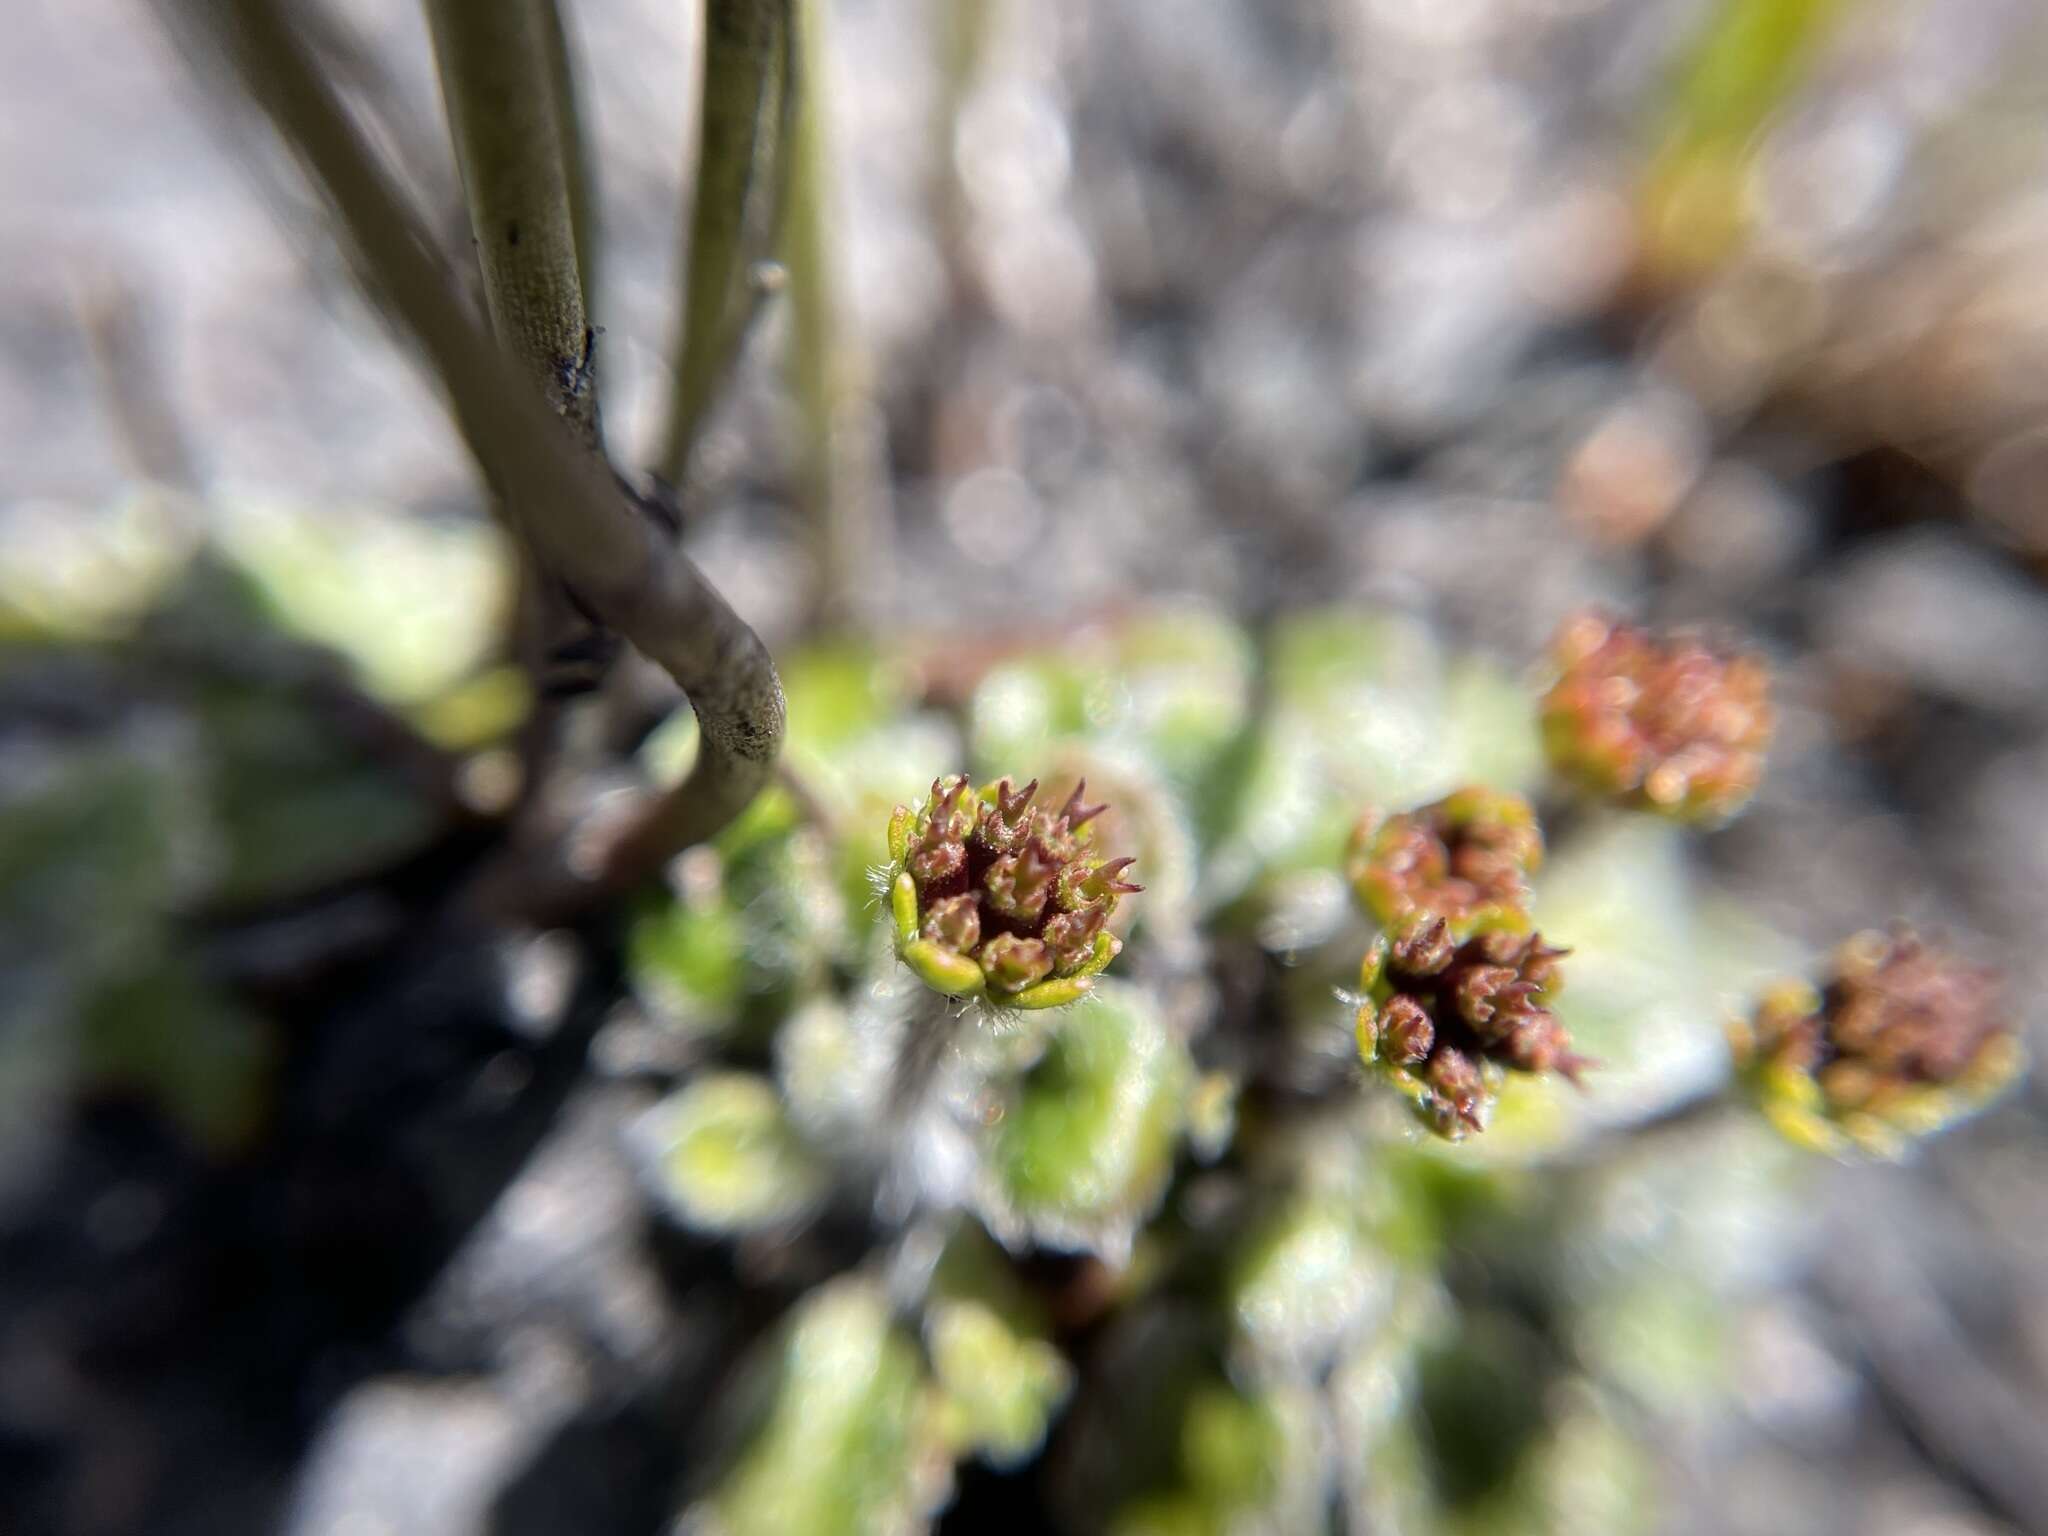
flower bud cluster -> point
(991, 896)
(1465, 858)
(1902, 1039)
(1444, 1020)
(1669, 724)
(1453, 993)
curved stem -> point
(626, 569)
(750, 92)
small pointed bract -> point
(1074, 813)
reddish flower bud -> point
(1406, 1033)
(1670, 724)
(991, 896)
(1018, 885)
(1424, 946)
(1459, 1087)
(1071, 935)
(1445, 1030)
(1901, 1039)
(1465, 858)
(955, 922)
(1013, 963)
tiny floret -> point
(994, 896)
(1664, 723)
(1900, 1041)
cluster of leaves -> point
(1454, 986)
(1152, 1231)
(1105, 1188)
(186, 755)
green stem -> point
(505, 78)
(963, 32)
(836, 488)
(750, 92)
(626, 569)
(131, 388)
(502, 75)
(579, 170)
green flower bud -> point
(1901, 1041)
(1669, 724)
(991, 897)
(1444, 1024)
(1465, 859)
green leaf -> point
(722, 1156)
(837, 694)
(1357, 718)
(72, 574)
(989, 1346)
(751, 929)
(299, 802)
(1307, 1276)
(1170, 690)
(1001, 1387)
(416, 605)
(1655, 972)
(1086, 1142)
(848, 1444)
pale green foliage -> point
(413, 605)
(1085, 1141)
(848, 1445)
(728, 1160)
(1266, 1261)
(222, 769)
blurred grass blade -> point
(1740, 69)
(825, 374)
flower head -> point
(1444, 1020)
(994, 897)
(1902, 1040)
(1465, 858)
(1669, 724)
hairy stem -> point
(623, 566)
(750, 92)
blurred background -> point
(327, 1212)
